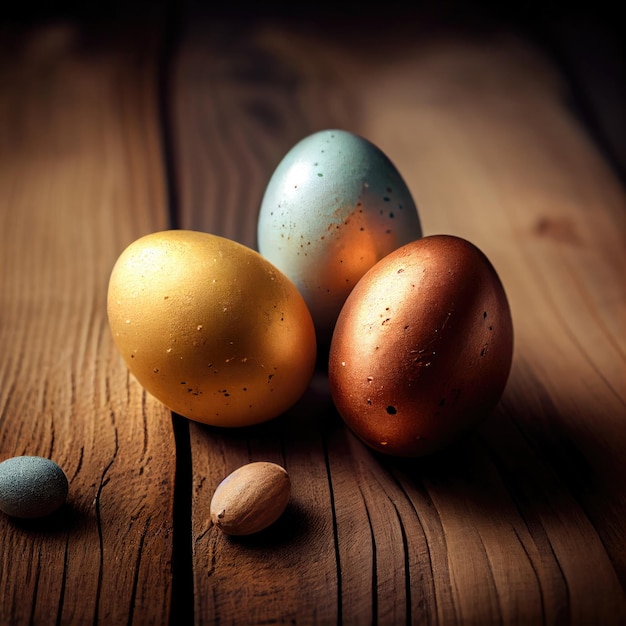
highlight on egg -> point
(210, 328)
(334, 206)
(422, 349)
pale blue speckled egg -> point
(31, 486)
(334, 206)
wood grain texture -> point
(521, 523)
(80, 178)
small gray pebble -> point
(31, 486)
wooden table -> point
(112, 129)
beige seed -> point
(251, 498)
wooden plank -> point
(80, 178)
(589, 46)
(522, 523)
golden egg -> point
(210, 328)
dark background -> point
(584, 40)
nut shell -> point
(422, 348)
(251, 498)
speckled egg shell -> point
(422, 348)
(31, 486)
(334, 206)
(210, 327)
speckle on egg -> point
(31, 487)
